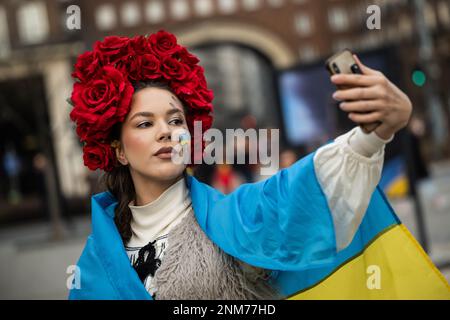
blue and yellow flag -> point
(284, 224)
(390, 266)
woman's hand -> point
(373, 98)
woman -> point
(160, 233)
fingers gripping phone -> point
(343, 62)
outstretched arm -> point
(350, 168)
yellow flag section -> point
(392, 266)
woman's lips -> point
(164, 155)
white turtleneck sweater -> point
(352, 162)
(156, 218)
(153, 221)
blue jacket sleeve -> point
(281, 223)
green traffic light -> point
(419, 78)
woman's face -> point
(154, 115)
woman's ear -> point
(120, 154)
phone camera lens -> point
(335, 68)
(355, 69)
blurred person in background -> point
(12, 166)
(226, 179)
(287, 158)
(416, 132)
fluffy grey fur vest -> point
(194, 268)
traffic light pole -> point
(434, 104)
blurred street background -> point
(264, 59)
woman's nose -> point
(164, 132)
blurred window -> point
(338, 19)
(303, 24)
(154, 11)
(444, 12)
(405, 25)
(131, 14)
(227, 6)
(430, 15)
(251, 5)
(179, 9)
(275, 3)
(4, 34)
(105, 17)
(32, 22)
(203, 7)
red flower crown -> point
(102, 95)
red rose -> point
(199, 72)
(86, 132)
(112, 49)
(186, 57)
(98, 156)
(140, 45)
(102, 101)
(172, 69)
(164, 43)
(150, 67)
(201, 98)
(86, 66)
(187, 86)
(184, 90)
(145, 67)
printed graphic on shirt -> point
(147, 259)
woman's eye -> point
(145, 124)
(177, 122)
